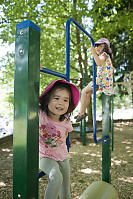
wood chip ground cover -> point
(85, 162)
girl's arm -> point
(98, 59)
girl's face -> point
(58, 103)
(99, 49)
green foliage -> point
(51, 17)
(7, 69)
(111, 19)
(114, 19)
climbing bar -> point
(94, 71)
(51, 72)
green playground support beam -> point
(112, 122)
(106, 131)
(83, 122)
(26, 101)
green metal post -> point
(84, 132)
(112, 121)
(84, 120)
(81, 123)
(106, 131)
(26, 122)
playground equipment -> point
(83, 122)
(26, 100)
(99, 190)
(26, 125)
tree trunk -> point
(83, 62)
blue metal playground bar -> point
(67, 77)
(51, 72)
(94, 72)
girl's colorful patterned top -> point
(105, 77)
(52, 137)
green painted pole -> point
(26, 122)
(106, 131)
(84, 120)
(112, 121)
(81, 123)
(84, 132)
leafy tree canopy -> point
(114, 20)
(111, 19)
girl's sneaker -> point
(80, 117)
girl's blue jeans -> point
(58, 173)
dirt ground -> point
(85, 162)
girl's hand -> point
(98, 59)
(40, 66)
(92, 49)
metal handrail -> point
(94, 72)
(67, 77)
(54, 73)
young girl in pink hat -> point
(59, 98)
(102, 54)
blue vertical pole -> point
(68, 62)
(68, 50)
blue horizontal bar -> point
(81, 28)
(105, 138)
(27, 23)
(51, 72)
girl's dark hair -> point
(106, 49)
(45, 99)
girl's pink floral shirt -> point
(52, 137)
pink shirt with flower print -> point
(52, 137)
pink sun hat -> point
(74, 90)
(104, 41)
